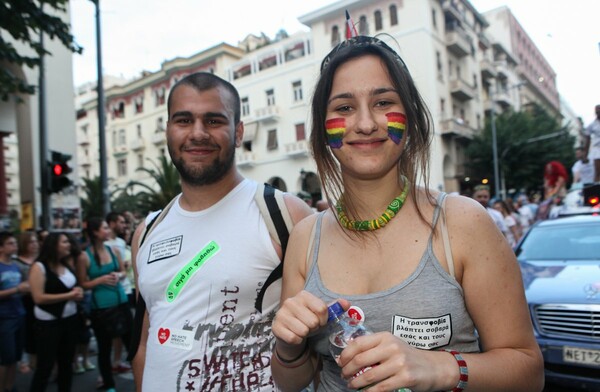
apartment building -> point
(460, 71)
(21, 161)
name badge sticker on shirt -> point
(185, 274)
(165, 249)
(423, 333)
(175, 338)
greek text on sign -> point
(423, 333)
(182, 277)
(165, 249)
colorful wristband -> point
(463, 369)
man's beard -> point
(206, 175)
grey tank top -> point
(427, 310)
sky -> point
(140, 35)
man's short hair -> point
(481, 187)
(113, 216)
(5, 235)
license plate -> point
(581, 356)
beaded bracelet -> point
(463, 369)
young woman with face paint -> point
(422, 270)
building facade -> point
(459, 69)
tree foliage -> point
(24, 20)
(166, 180)
(91, 204)
(526, 142)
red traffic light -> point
(57, 169)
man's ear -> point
(239, 133)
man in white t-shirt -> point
(583, 169)
(592, 143)
(482, 195)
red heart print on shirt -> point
(163, 335)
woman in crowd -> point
(101, 273)
(425, 275)
(55, 293)
(81, 362)
(29, 248)
(514, 233)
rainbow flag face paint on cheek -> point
(335, 129)
(396, 126)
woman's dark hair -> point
(414, 161)
(49, 250)
(93, 224)
(25, 238)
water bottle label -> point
(357, 314)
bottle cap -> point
(334, 311)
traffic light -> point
(591, 195)
(59, 170)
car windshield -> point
(561, 243)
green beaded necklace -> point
(377, 223)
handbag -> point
(115, 321)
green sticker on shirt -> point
(185, 274)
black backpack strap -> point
(276, 216)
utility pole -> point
(44, 178)
(101, 117)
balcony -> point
(487, 69)
(502, 69)
(245, 158)
(120, 150)
(451, 11)
(83, 160)
(504, 98)
(138, 144)
(461, 90)
(456, 127)
(297, 149)
(484, 41)
(458, 42)
(83, 139)
(159, 137)
(267, 114)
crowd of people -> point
(53, 289)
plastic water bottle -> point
(342, 329)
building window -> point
(114, 138)
(294, 51)
(393, 15)
(139, 131)
(267, 62)
(440, 71)
(297, 88)
(475, 84)
(140, 158)
(122, 138)
(443, 107)
(300, 132)
(378, 21)
(245, 104)
(122, 167)
(363, 28)
(242, 71)
(434, 19)
(139, 104)
(159, 96)
(272, 139)
(270, 97)
(335, 35)
(159, 125)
